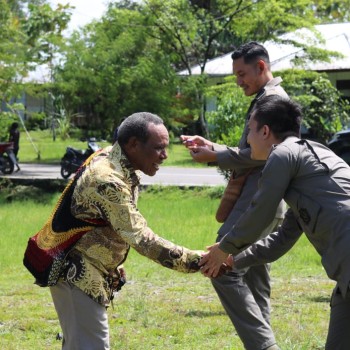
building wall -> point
(341, 80)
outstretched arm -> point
(205, 151)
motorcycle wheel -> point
(6, 165)
(65, 173)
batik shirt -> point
(108, 191)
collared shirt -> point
(239, 160)
(108, 190)
(272, 87)
(315, 183)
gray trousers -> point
(339, 325)
(245, 296)
(84, 322)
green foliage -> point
(186, 109)
(193, 32)
(36, 121)
(126, 62)
(6, 119)
(113, 69)
(332, 10)
(12, 52)
(196, 31)
(43, 29)
(30, 34)
(227, 122)
(324, 110)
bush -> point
(227, 122)
(36, 121)
(325, 111)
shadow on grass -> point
(320, 299)
(201, 313)
(42, 193)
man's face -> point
(148, 156)
(249, 76)
(259, 145)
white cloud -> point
(85, 11)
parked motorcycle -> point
(7, 158)
(74, 158)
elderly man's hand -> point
(212, 261)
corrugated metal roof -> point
(336, 38)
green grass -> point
(52, 151)
(159, 308)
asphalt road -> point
(167, 176)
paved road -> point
(207, 176)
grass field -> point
(52, 151)
(159, 308)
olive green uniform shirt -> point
(315, 183)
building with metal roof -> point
(336, 38)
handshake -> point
(212, 263)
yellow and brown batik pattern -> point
(108, 191)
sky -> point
(84, 12)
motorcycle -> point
(74, 158)
(7, 158)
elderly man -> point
(315, 183)
(78, 253)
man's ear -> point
(261, 66)
(132, 145)
(266, 131)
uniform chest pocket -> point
(307, 212)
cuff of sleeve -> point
(223, 159)
(243, 260)
(218, 148)
(228, 247)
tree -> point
(113, 69)
(192, 32)
(29, 32)
(324, 110)
(127, 60)
(227, 122)
(332, 10)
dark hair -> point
(137, 125)
(282, 115)
(14, 126)
(251, 53)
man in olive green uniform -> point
(245, 293)
(315, 183)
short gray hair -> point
(136, 125)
